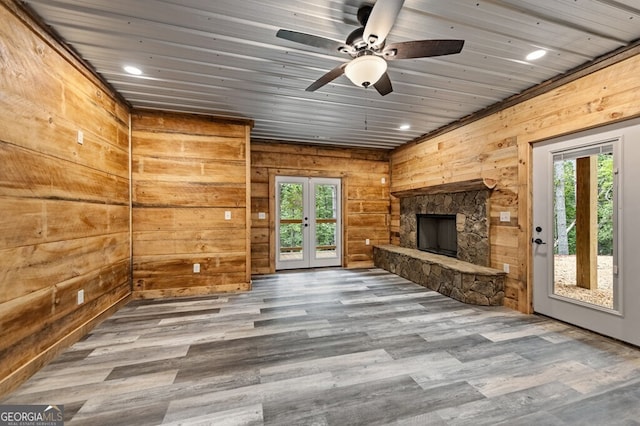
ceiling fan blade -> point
(422, 49)
(310, 40)
(327, 78)
(383, 86)
(382, 18)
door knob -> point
(538, 241)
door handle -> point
(538, 241)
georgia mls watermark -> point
(31, 415)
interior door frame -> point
(273, 173)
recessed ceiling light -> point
(537, 54)
(405, 127)
(132, 70)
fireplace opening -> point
(437, 234)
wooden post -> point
(587, 222)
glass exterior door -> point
(584, 240)
(308, 231)
(575, 241)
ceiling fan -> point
(366, 45)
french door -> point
(579, 235)
(308, 228)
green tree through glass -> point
(291, 206)
(326, 209)
(565, 177)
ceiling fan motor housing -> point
(356, 39)
(363, 14)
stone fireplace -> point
(470, 209)
(467, 276)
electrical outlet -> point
(505, 217)
(383, 181)
(505, 267)
(80, 297)
(227, 215)
(262, 215)
(367, 242)
(80, 137)
(196, 268)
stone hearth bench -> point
(463, 281)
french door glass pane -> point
(583, 210)
(291, 210)
(326, 220)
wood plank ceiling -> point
(222, 57)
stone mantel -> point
(448, 188)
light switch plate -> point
(505, 216)
(80, 137)
(227, 215)
(262, 215)
(196, 268)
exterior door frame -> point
(629, 236)
(273, 209)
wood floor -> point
(339, 347)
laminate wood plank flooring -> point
(337, 347)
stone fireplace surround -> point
(470, 209)
(467, 278)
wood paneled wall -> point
(365, 196)
(187, 171)
(64, 207)
(499, 147)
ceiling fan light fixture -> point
(366, 70)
